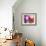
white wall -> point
(43, 22)
(6, 13)
(30, 32)
(38, 32)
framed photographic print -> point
(29, 19)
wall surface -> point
(29, 32)
(43, 22)
(38, 32)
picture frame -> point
(29, 19)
